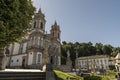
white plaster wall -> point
(15, 58)
(30, 58)
(7, 61)
(16, 48)
(10, 48)
(24, 47)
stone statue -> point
(76, 54)
(68, 61)
(44, 68)
(68, 53)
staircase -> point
(22, 75)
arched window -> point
(30, 42)
(35, 24)
(34, 40)
(53, 33)
(21, 48)
(58, 35)
(38, 41)
(38, 58)
(41, 25)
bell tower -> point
(55, 31)
(39, 22)
(35, 44)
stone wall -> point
(65, 68)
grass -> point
(59, 75)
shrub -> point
(93, 77)
(112, 67)
(59, 75)
(110, 72)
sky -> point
(96, 21)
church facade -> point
(38, 47)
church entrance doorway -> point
(23, 62)
(51, 60)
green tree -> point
(98, 47)
(87, 49)
(15, 18)
(115, 51)
(107, 49)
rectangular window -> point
(21, 48)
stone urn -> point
(2, 59)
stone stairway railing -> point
(22, 75)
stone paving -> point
(21, 70)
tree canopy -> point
(86, 49)
(15, 18)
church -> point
(38, 47)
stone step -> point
(22, 75)
(23, 78)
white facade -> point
(37, 48)
(93, 62)
(16, 48)
(30, 58)
(24, 47)
(16, 60)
